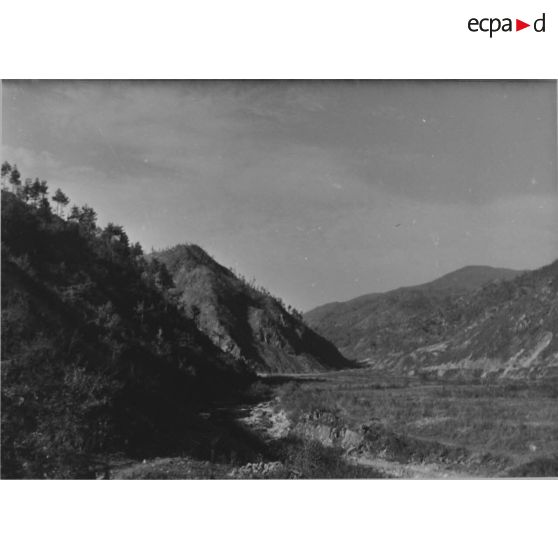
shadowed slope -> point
(96, 355)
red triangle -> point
(519, 25)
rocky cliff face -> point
(243, 320)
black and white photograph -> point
(279, 279)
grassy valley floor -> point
(430, 427)
(363, 423)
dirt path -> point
(398, 470)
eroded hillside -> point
(476, 319)
(243, 320)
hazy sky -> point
(320, 190)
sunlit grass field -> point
(514, 420)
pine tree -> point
(15, 179)
(6, 171)
(25, 192)
(61, 200)
(35, 192)
(74, 214)
(87, 218)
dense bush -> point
(96, 355)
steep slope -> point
(403, 319)
(96, 355)
(507, 326)
(243, 320)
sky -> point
(320, 191)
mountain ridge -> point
(243, 319)
(498, 273)
(403, 327)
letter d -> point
(536, 24)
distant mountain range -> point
(475, 318)
(244, 320)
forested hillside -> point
(97, 356)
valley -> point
(360, 423)
(120, 364)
